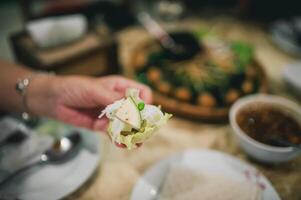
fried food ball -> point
(247, 87)
(153, 74)
(164, 87)
(183, 94)
(206, 99)
(251, 72)
(232, 95)
(139, 60)
(226, 62)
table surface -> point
(120, 169)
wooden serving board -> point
(136, 40)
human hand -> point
(78, 100)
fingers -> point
(73, 117)
(123, 83)
(103, 96)
(101, 124)
(83, 92)
(146, 95)
(120, 145)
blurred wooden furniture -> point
(93, 54)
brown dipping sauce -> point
(261, 122)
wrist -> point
(39, 93)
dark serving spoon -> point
(177, 46)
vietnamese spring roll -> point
(132, 121)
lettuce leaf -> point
(142, 135)
(134, 94)
(110, 110)
(152, 118)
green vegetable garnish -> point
(244, 53)
(202, 33)
(141, 106)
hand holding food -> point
(132, 121)
(77, 100)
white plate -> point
(208, 162)
(291, 75)
(50, 182)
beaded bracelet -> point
(21, 88)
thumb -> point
(102, 96)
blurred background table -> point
(120, 169)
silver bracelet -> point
(21, 88)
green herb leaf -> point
(141, 106)
(244, 53)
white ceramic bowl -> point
(259, 151)
(54, 31)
